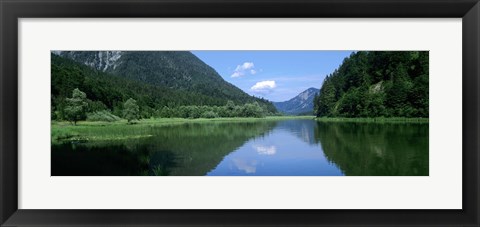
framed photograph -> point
(255, 113)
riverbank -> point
(119, 130)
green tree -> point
(131, 110)
(351, 103)
(229, 109)
(253, 110)
(76, 107)
(397, 95)
(374, 106)
(376, 84)
(209, 114)
(166, 112)
(194, 112)
(326, 100)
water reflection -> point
(372, 149)
(85, 160)
(283, 152)
(181, 150)
(264, 148)
(303, 129)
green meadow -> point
(120, 130)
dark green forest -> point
(106, 95)
(377, 84)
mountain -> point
(300, 104)
(154, 79)
(179, 70)
(377, 84)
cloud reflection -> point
(265, 150)
(248, 167)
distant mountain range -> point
(300, 104)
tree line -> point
(79, 107)
(377, 84)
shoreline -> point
(62, 131)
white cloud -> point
(267, 84)
(243, 69)
(248, 65)
(264, 87)
(237, 74)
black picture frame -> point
(12, 10)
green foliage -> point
(102, 116)
(252, 110)
(209, 114)
(376, 84)
(325, 101)
(229, 110)
(230, 105)
(131, 110)
(94, 106)
(76, 107)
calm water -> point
(264, 148)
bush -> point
(209, 114)
(102, 116)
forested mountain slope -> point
(109, 91)
(377, 84)
(179, 70)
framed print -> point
(172, 113)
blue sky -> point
(274, 75)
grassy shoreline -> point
(120, 130)
(169, 121)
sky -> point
(274, 75)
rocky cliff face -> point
(300, 104)
(99, 60)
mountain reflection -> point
(303, 129)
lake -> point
(293, 147)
